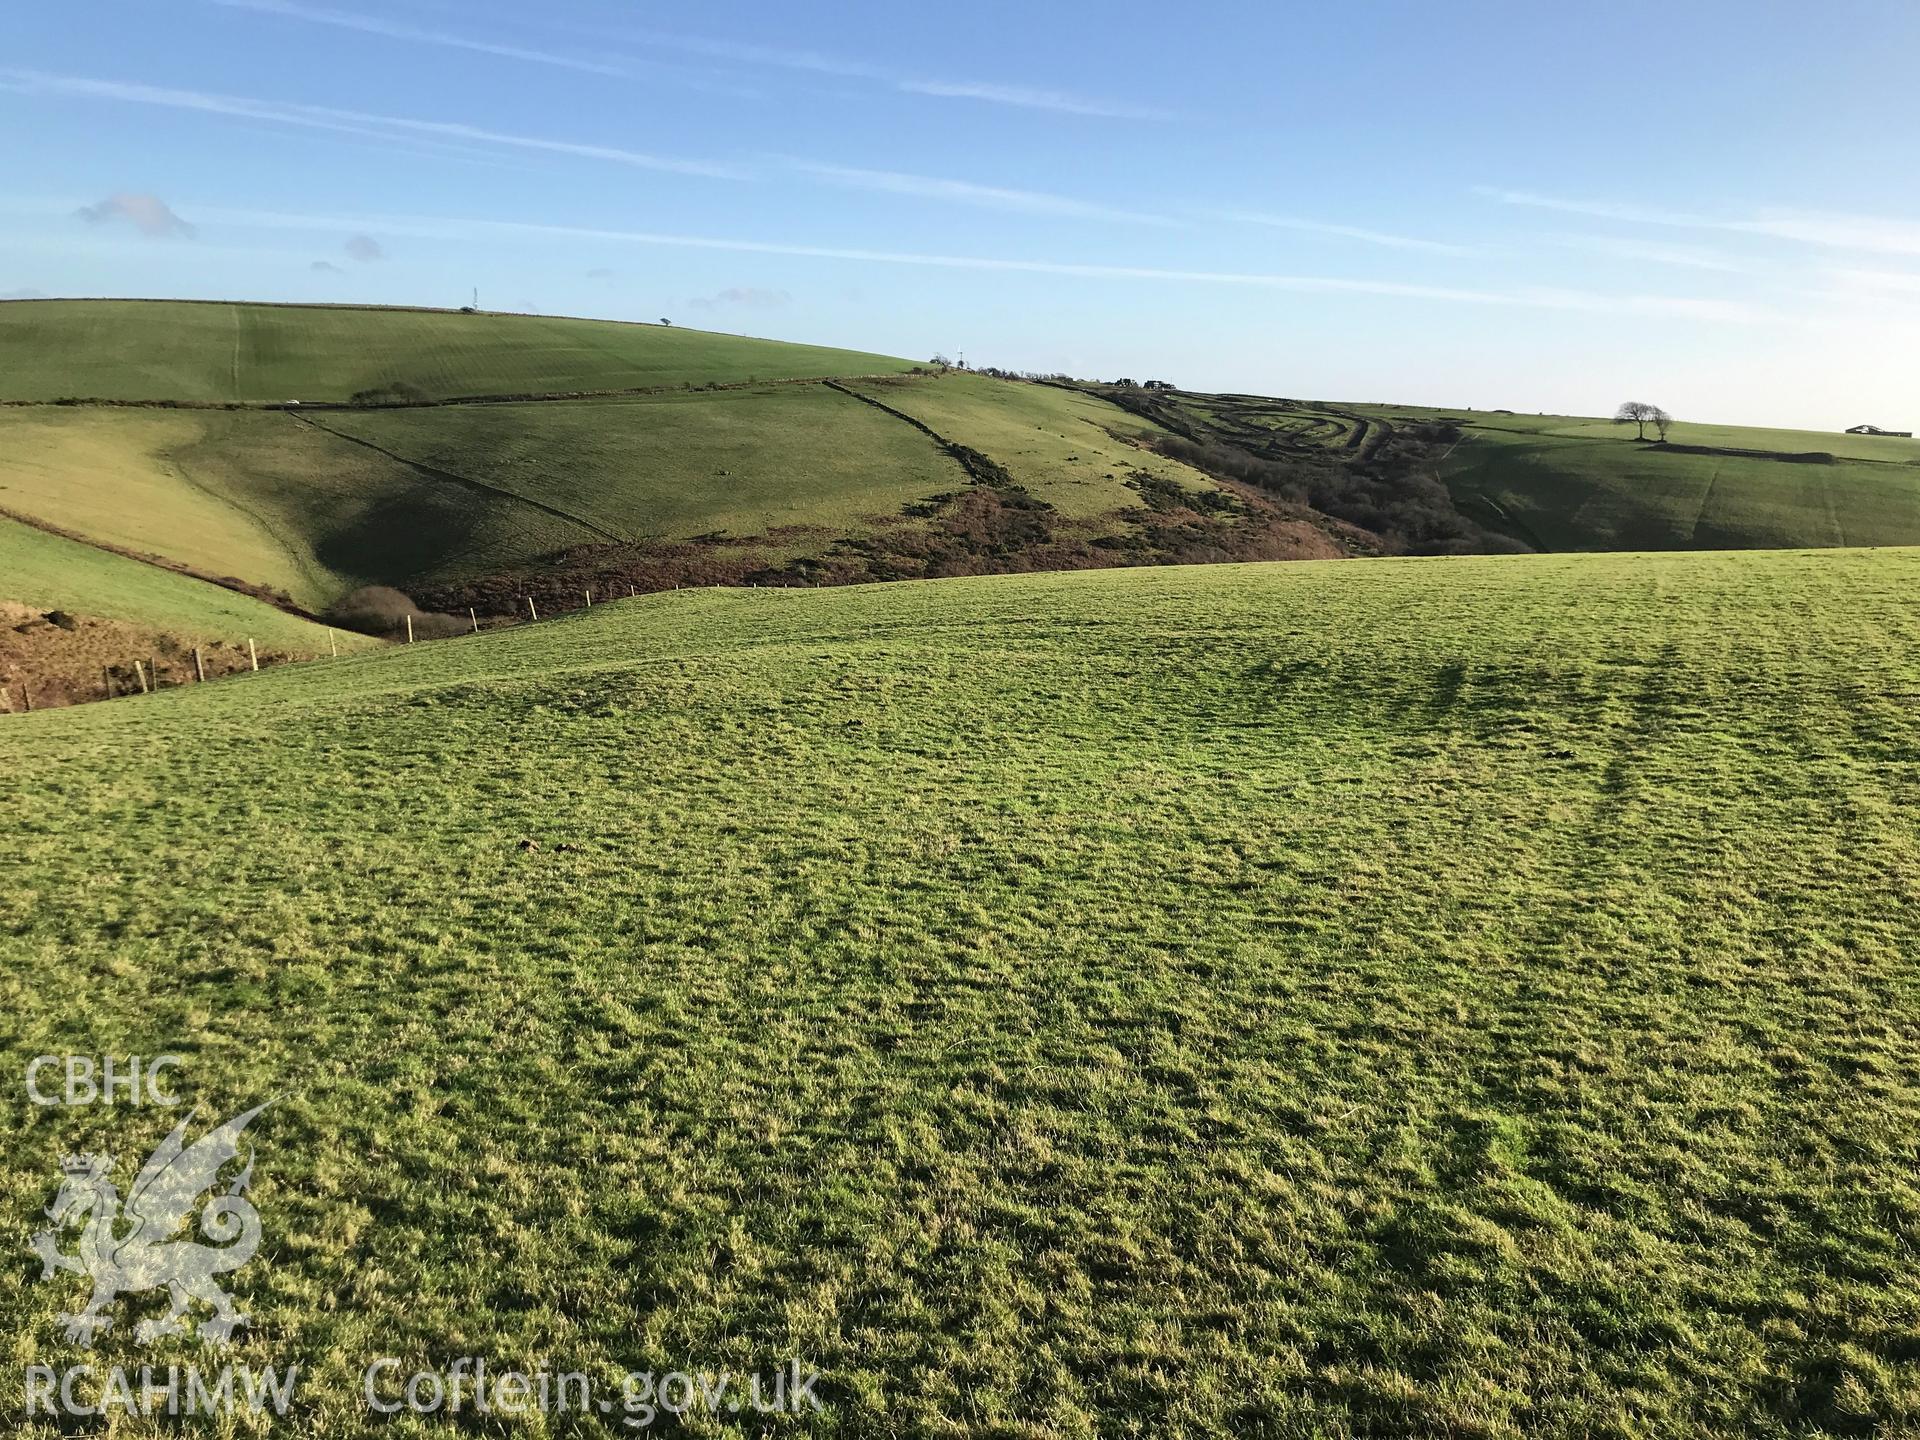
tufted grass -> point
(1464, 997)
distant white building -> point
(1876, 430)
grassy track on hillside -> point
(1411, 997)
(176, 350)
(1058, 443)
(51, 572)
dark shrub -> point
(394, 392)
(382, 610)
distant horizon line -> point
(665, 324)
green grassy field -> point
(1731, 437)
(178, 350)
(1437, 481)
(435, 495)
(489, 504)
(54, 573)
(1060, 444)
(1450, 997)
(1565, 483)
(449, 499)
(677, 466)
(262, 496)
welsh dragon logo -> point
(139, 1247)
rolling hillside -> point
(219, 353)
(623, 457)
(489, 461)
(1568, 483)
(1420, 997)
(1444, 481)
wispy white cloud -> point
(1686, 257)
(731, 51)
(1874, 233)
(322, 117)
(1595, 209)
(1023, 97)
(624, 67)
(1879, 235)
(393, 30)
(1672, 307)
(1676, 307)
(741, 53)
(1352, 232)
(1900, 284)
(388, 144)
(815, 62)
(964, 192)
(747, 297)
(460, 137)
(1688, 308)
(148, 214)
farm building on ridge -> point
(1876, 430)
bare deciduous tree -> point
(1661, 423)
(1640, 414)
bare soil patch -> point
(51, 658)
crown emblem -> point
(144, 1249)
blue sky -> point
(1709, 205)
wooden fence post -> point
(154, 666)
(333, 645)
(474, 618)
(106, 676)
(532, 613)
(589, 595)
(253, 655)
(409, 629)
(199, 666)
(140, 673)
(26, 694)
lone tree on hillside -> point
(1640, 414)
